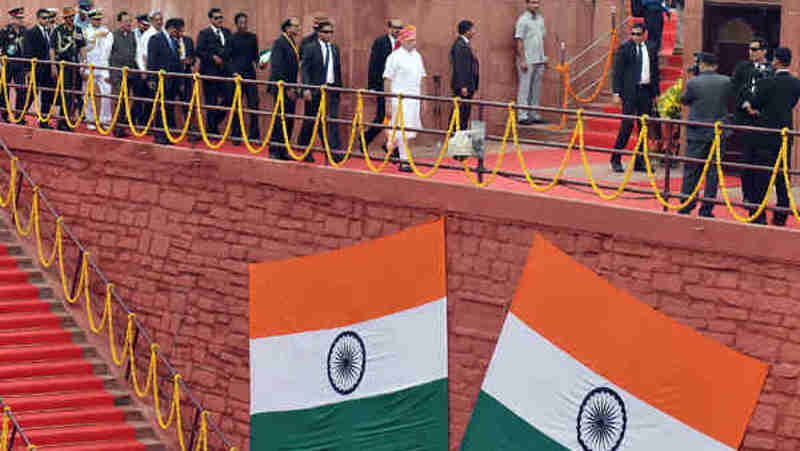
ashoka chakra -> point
(601, 420)
(347, 360)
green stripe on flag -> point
(411, 419)
(494, 427)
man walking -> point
(321, 66)
(37, 45)
(11, 40)
(123, 54)
(381, 48)
(465, 67)
(244, 53)
(654, 21)
(707, 96)
(531, 61)
(636, 79)
(68, 45)
(284, 65)
(185, 86)
(214, 51)
(773, 105)
(162, 54)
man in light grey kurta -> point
(529, 34)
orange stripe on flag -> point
(346, 286)
(695, 379)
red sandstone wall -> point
(175, 230)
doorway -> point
(729, 27)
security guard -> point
(68, 44)
(11, 37)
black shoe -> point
(526, 122)
(706, 214)
(119, 133)
(194, 138)
(640, 168)
(236, 142)
(404, 167)
(778, 221)
(309, 158)
(162, 141)
(45, 126)
(538, 121)
(62, 126)
(616, 166)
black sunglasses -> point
(218, 17)
(637, 34)
(755, 49)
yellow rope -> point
(4, 437)
(28, 95)
(126, 96)
(115, 116)
(509, 125)
(641, 141)
(53, 104)
(514, 133)
(317, 119)
(237, 98)
(454, 124)
(187, 122)
(245, 136)
(64, 110)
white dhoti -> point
(406, 70)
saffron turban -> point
(409, 32)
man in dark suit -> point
(381, 48)
(321, 65)
(284, 65)
(37, 45)
(636, 80)
(162, 54)
(188, 57)
(653, 11)
(214, 51)
(466, 71)
(316, 20)
(773, 105)
(244, 53)
(745, 76)
(707, 95)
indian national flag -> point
(581, 365)
(348, 349)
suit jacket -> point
(36, 45)
(311, 37)
(626, 70)
(161, 56)
(775, 100)
(744, 76)
(465, 68)
(313, 67)
(708, 96)
(381, 48)
(208, 45)
(284, 63)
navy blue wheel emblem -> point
(601, 420)
(347, 360)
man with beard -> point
(284, 65)
(68, 45)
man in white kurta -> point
(98, 51)
(404, 73)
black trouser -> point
(380, 115)
(185, 90)
(116, 86)
(72, 82)
(250, 93)
(277, 151)
(641, 103)
(747, 145)
(16, 75)
(691, 176)
(464, 111)
(44, 80)
(217, 93)
(766, 156)
(654, 22)
(332, 109)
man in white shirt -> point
(99, 41)
(145, 91)
(531, 60)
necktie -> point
(173, 45)
(639, 63)
(327, 58)
(220, 37)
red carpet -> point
(46, 378)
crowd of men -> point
(762, 93)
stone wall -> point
(175, 230)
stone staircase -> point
(56, 383)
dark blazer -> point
(208, 45)
(284, 64)
(160, 56)
(626, 67)
(708, 96)
(313, 69)
(381, 48)
(311, 37)
(775, 100)
(35, 45)
(743, 78)
(465, 68)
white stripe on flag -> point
(404, 349)
(545, 386)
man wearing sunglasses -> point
(381, 48)
(215, 52)
(636, 79)
(745, 76)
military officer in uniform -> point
(68, 44)
(11, 37)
